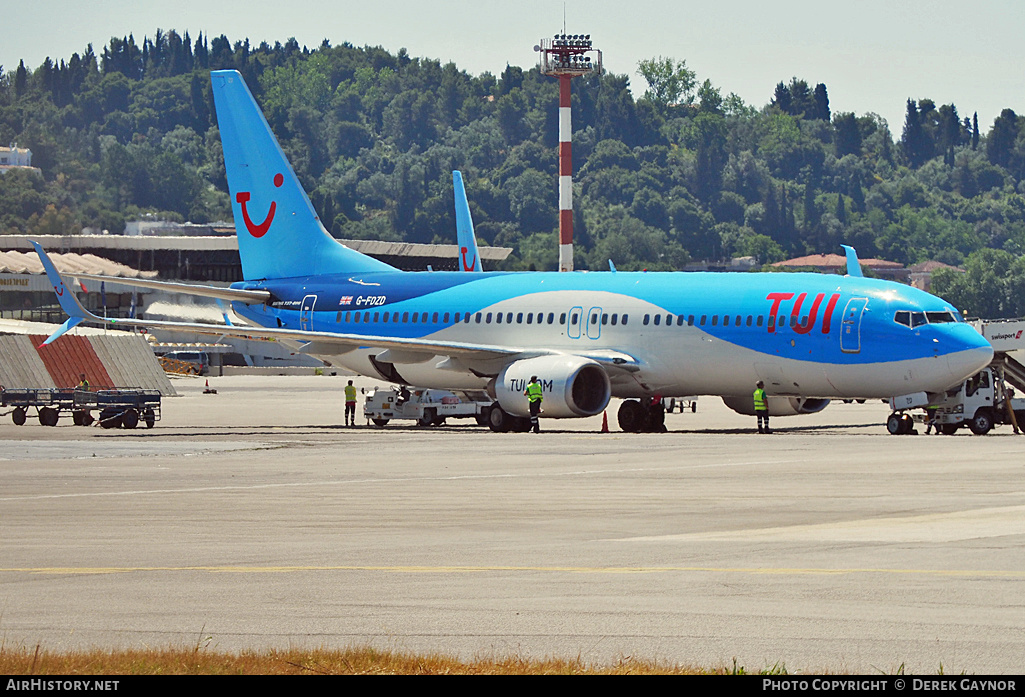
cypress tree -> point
(782, 98)
(841, 210)
(914, 139)
(821, 103)
(20, 79)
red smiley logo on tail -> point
(467, 267)
(258, 230)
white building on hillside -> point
(15, 157)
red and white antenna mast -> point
(565, 57)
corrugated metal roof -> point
(20, 364)
(69, 263)
(130, 362)
(70, 356)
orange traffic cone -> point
(604, 422)
(207, 389)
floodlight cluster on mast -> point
(566, 56)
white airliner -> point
(588, 336)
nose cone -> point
(968, 352)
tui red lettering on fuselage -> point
(802, 326)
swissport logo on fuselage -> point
(260, 230)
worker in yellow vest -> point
(761, 407)
(350, 404)
(534, 396)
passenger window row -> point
(723, 320)
(378, 317)
(614, 319)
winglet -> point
(70, 323)
(612, 267)
(224, 312)
(469, 257)
(65, 296)
(853, 266)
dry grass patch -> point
(358, 661)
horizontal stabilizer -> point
(249, 297)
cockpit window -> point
(915, 319)
(940, 317)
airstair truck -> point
(981, 402)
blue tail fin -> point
(279, 233)
(469, 258)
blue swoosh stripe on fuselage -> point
(675, 293)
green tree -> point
(1001, 138)
(847, 134)
(992, 285)
(670, 82)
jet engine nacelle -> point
(778, 406)
(571, 386)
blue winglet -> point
(853, 265)
(65, 296)
(70, 323)
(224, 312)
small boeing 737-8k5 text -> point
(588, 336)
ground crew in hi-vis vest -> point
(761, 407)
(534, 396)
(350, 404)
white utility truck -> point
(427, 407)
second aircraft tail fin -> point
(469, 257)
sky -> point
(872, 55)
